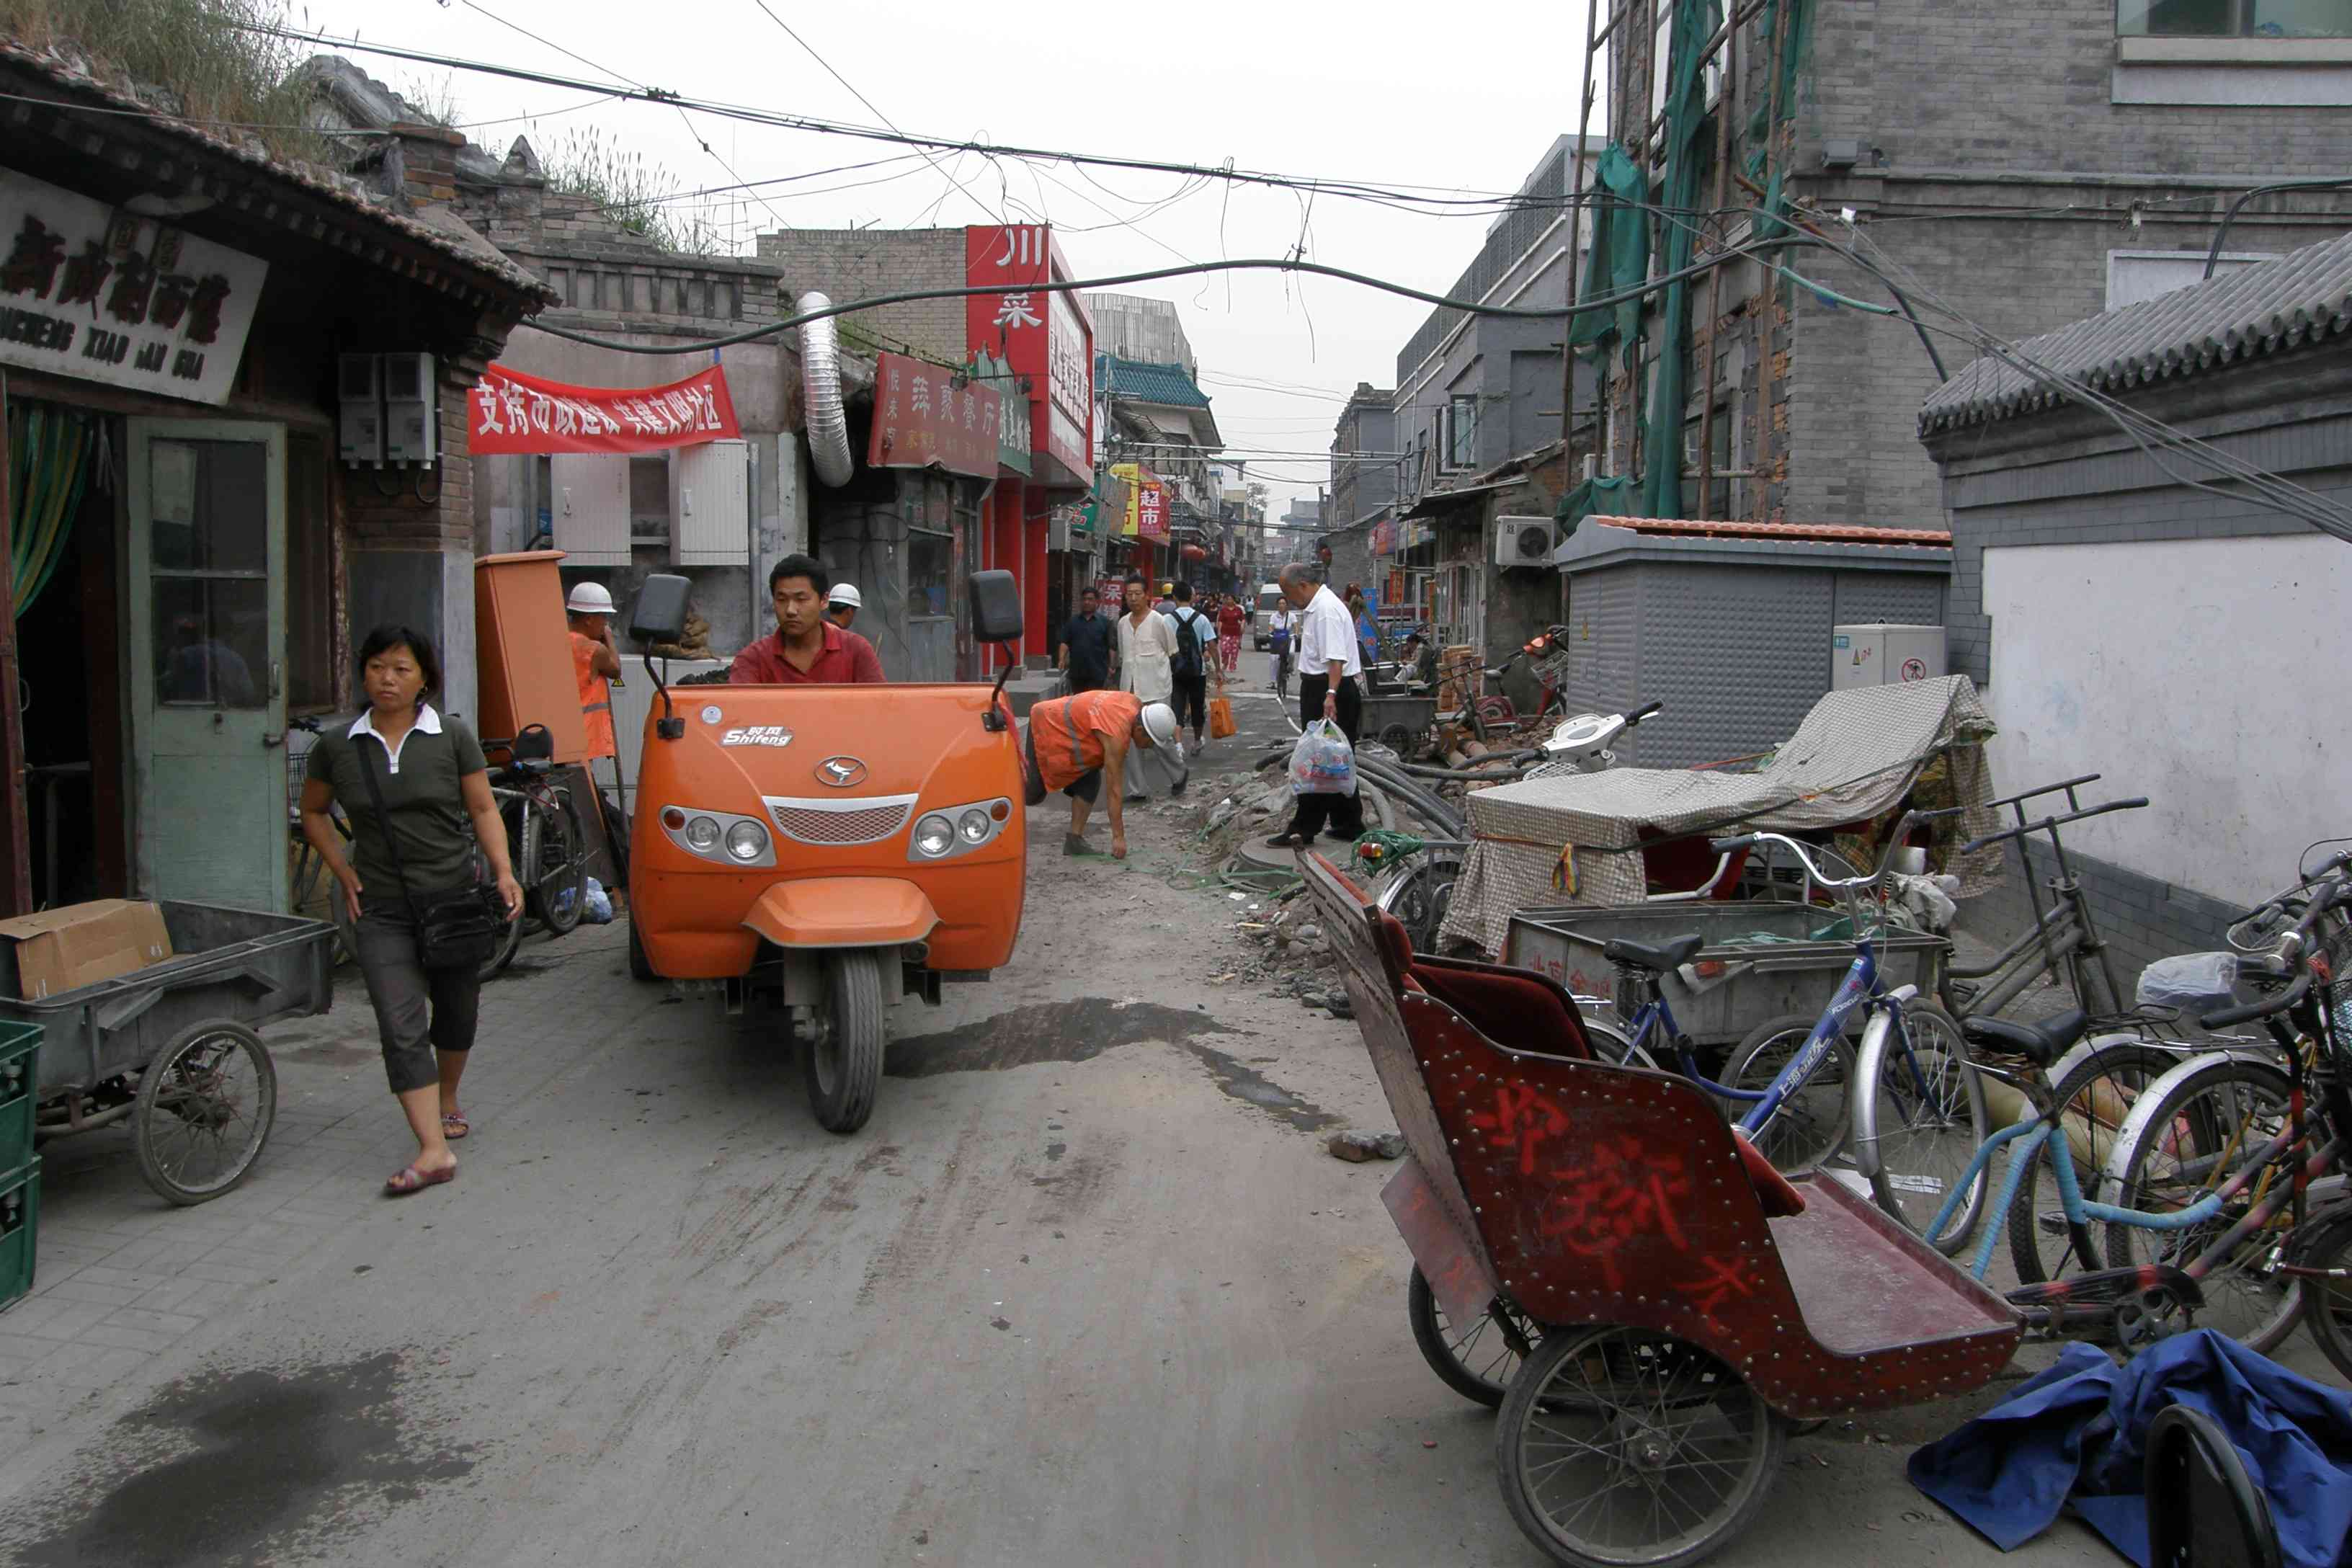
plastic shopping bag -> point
(2194, 982)
(1323, 762)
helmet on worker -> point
(842, 602)
(1158, 724)
(589, 599)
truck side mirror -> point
(659, 613)
(995, 600)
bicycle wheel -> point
(561, 890)
(518, 845)
(2327, 1302)
(1611, 1043)
(1928, 1119)
(1476, 1362)
(1813, 1122)
(2091, 1102)
(2208, 1128)
(206, 1106)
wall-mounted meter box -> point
(411, 424)
(358, 409)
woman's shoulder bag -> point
(456, 928)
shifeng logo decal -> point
(841, 771)
(757, 735)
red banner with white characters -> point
(926, 416)
(510, 412)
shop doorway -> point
(206, 548)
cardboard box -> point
(82, 944)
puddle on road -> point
(1084, 1029)
(228, 1468)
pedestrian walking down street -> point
(1277, 643)
(1231, 619)
(436, 813)
(1330, 685)
(1074, 744)
(1084, 656)
(1190, 666)
(1146, 642)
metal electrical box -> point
(588, 510)
(1876, 653)
(359, 408)
(711, 504)
(411, 424)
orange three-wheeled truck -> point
(832, 849)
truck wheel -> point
(640, 966)
(844, 1060)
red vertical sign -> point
(1045, 335)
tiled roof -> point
(1794, 532)
(2302, 298)
(1141, 381)
(466, 249)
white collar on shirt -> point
(426, 719)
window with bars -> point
(2233, 18)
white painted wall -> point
(2205, 674)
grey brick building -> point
(1364, 488)
(2023, 171)
(2162, 636)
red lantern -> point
(1194, 552)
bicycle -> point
(2064, 942)
(309, 884)
(2198, 1161)
(545, 840)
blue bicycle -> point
(1788, 1086)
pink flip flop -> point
(409, 1179)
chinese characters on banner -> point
(1044, 332)
(86, 291)
(927, 414)
(509, 412)
(1147, 503)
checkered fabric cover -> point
(1854, 757)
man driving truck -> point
(806, 649)
(1075, 743)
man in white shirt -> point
(1330, 685)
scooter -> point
(832, 849)
(1585, 738)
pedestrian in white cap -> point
(841, 604)
(595, 662)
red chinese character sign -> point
(1044, 333)
(1147, 503)
(91, 291)
(509, 412)
(926, 416)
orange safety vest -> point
(596, 696)
(1067, 734)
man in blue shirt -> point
(1085, 657)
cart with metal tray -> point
(1737, 982)
(173, 1047)
(1650, 1304)
(1398, 720)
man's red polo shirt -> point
(847, 659)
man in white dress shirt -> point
(1330, 685)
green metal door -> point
(207, 617)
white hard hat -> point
(589, 599)
(843, 593)
(1160, 724)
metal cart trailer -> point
(172, 1046)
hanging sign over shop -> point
(1147, 502)
(92, 292)
(1384, 537)
(510, 413)
(923, 419)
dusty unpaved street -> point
(1088, 1289)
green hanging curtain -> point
(1601, 495)
(1620, 255)
(1696, 22)
(49, 467)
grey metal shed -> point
(1727, 623)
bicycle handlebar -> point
(2045, 789)
(1804, 853)
(2326, 897)
(2134, 804)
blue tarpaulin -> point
(2072, 1435)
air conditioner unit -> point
(358, 409)
(412, 425)
(1524, 541)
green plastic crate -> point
(20, 1078)
(20, 1217)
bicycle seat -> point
(1656, 956)
(2040, 1041)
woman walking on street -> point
(416, 792)
(1230, 621)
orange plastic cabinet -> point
(524, 645)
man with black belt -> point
(1330, 685)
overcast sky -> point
(1360, 92)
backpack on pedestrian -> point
(1185, 663)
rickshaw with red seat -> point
(1662, 1304)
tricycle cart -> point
(172, 1046)
(1398, 720)
(1663, 1303)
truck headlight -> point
(747, 841)
(702, 834)
(973, 825)
(934, 837)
